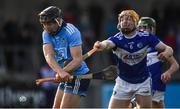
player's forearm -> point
(107, 45)
(73, 65)
(168, 50)
(174, 66)
(53, 64)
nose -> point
(48, 27)
(124, 22)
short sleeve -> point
(46, 38)
(153, 40)
(75, 39)
(115, 38)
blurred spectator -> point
(96, 15)
(155, 15)
(118, 7)
(11, 31)
(170, 38)
(88, 35)
(170, 13)
(28, 32)
(2, 38)
(49, 87)
(111, 26)
(178, 43)
(72, 12)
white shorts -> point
(125, 91)
(158, 96)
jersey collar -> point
(131, 36)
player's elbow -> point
(48, 58)
(170, 50)
(175, 65)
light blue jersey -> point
(68, 36)
(132, 55)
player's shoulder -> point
(70, 29)
(45, 33)
(118, 35)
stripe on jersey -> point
(70, 29)
(152, 58)
(131, 58)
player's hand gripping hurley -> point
(53, 79)
(109, 73)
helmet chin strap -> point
(59, 23)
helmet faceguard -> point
(50, 14)
(147, 22)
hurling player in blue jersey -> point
(62, 43)
(130, 46)
(159, 79)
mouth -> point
(126, 26)
(51, 32)
(126, 30)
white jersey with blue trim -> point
(155, 68)
(68, 36)
(132, 55)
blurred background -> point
(21, 57)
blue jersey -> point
(155, 68)
(132, 55)
(68, 36)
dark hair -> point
(50, 14)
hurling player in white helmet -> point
(130, 46)
(159, 78)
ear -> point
(118, 26)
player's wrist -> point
(60, 71)
(103, 45)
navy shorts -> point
(77, 86)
